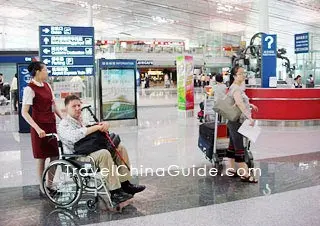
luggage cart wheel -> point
(218, 166)
(249, 159)
(250, 163)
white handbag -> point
(227, 108)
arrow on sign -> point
(46, 30)
(48, 71)
(46, 40)
(46, 61)
(46, 51)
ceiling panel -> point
(191, 19)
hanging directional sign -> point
(67, 51)
(301, 43)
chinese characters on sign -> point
(67, 51)
(118, 89)
(301, 43)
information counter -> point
(285, 103)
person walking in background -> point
(203, 80)
(39, 96)
(207, 80)
(14, 92)
(147, 82)
(4, 89)
(1, 84)
(219, 89)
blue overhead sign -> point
(301, 43)
(269, 59)
(67, 51)
(16, 59)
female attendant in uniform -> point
(38, 94)
(298, 82)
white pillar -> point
(264, 16)
(3, 40)
(90, 15)
(3, 34)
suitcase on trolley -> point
(207, 138)
(206, 147)
(206, 130)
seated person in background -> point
(310, 81)
(297, 82)
(71, 130)
(220, 88)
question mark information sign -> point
(269, 59)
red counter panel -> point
(283, 93)
(285, 104)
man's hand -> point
(104, 126)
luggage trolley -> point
(213, 137)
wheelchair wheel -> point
(62, 183)
(62, 217)
(88, 184)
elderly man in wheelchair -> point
(112, 168)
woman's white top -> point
(29, 94)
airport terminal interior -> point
(159, 76)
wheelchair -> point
(65, 180)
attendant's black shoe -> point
(119, 196)
(133, 189)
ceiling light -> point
(220, 8)
(13, 12)
(83, 4)
(162, 20)
(233, 2)
(228, 6)
(124, 33)
(96, 7)
(64, 1)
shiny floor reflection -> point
(22, 205)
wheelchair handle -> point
(52, 135)
(88, 107)
(91, 113)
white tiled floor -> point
(282, 209)
(160, 140)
